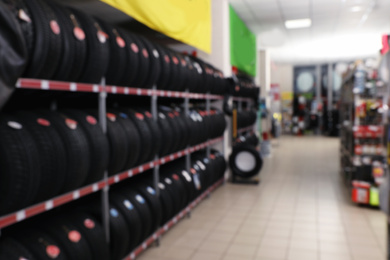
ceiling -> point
(341, 29)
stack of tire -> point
(244, 87)
(68, 45)
(46, 153)
(246, 118)
(136, 212)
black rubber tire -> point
(11, 249)
(64, 69)
(97, 142)
(47, 47)
(52, 155)
(119, 235)
(41, 244)
(118, 55)
(145, 153)
(93, 232)
(76, 147)
(142, 208)
(175, 129)
(170, 177)
(131, 216)
(150, 195)
(98, 51)
(167, 136)
(154, 63)
(132, 139)
(133, 60)
(154, 128)
(175, 79)
(62, 231)
(19, 163)
(167, 203)
(165, 74)
(143, 63)
(170, 189)
(251, 151)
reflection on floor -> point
(300, 211)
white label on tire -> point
(186, 176)
(14, 125)
(155, 53)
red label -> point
(55, 28)
(88, 223)
(183, 63)
(139, 116)
(43, 122)
(111, 117)
(175, 60)
(74, 236)
(53, 251)
(134, 47)
(71, 123)
(174, 176)
(148, 114)
(177, 113)
(212, 156)
(91, 120)
(145, 53)
(166, 58)
(237, 88)
(171, 115)
(193, 171)
(121, 43)
(79, 33)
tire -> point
(132, 139)
(52, 155)
(143, 63)
(165, 65)
(167, 203)
(97, 143)
(131, 217)
(93, 232)
(174, 128)
(145, 154)
(67, 58)
(47, 47)
(170, 189)
(69, 238)
(167, 136)
(118, 55)
(12, 249)
(21, 173)
(142, 208)
(98, 52)
(154, 63)
(253, 161)
(154, 128)
(171, 178)
(41, 245)
(76, 147)
(129, 78)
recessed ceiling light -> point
(299, 23)
(356, 9)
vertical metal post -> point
(208, 108)
(187, 113)
(103, 124)
(318, 96)
(330, 86)
(156, 169)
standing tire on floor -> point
(245, 161)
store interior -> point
(206, 129)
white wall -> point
(283, 74)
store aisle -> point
(299, 211)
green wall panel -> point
(242, 45)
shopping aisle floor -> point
(300, 211)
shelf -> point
(245, 129)
(96, 88)
(31, 211)
(172, 222)
(242, 99)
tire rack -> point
(104, 184)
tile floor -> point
(300, 211)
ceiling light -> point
(299, 23)
(356, 9)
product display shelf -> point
(149, 241)
(246, 129)
(39, 208)
(98, 88)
